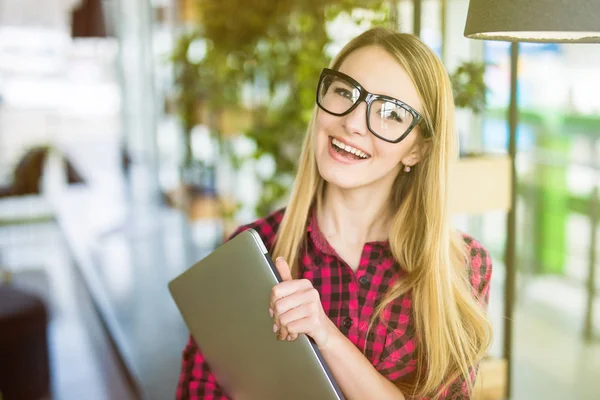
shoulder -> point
(479, 264)
(266, 227)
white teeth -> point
(349, 149)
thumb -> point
(284, 269)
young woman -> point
(373, 272)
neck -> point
(356, 216)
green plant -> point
(187, 90)
(469, 87)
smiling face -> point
(348, 155)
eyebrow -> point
(375, 93)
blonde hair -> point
(452, 330)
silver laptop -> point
(224, 300)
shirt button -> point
(363, 280)
(348, 322)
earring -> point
(407, 168)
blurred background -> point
(135, 135)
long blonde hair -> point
(452, 330)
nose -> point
(356, 121)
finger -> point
(294, 314)
(305, 293)
(284, 304)
(294, 293)
(301, 311)
(284, 269)
(308, 309)
(280, 330)
(280, 327)
(311, 328)
(303, 325)
(285, 289)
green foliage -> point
(187, 88)
(469, 86)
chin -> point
(341, 179)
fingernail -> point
(289, 338)
(275, 329)
(271, 312)
(279, 258)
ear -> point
(417, 152)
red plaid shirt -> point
(349, 299)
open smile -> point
(346, 153)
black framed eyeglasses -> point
(387, 118)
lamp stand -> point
(511, 220)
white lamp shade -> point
(557, 21)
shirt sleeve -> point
(459, 390)
(480, 275)
(196, 381)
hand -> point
(296, 308)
